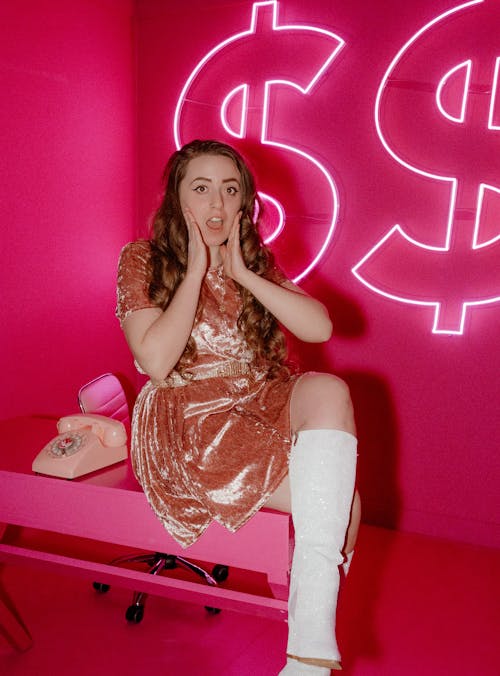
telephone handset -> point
(86, 442)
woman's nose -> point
(217, 200)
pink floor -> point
(412, 605)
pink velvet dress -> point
(212, 443)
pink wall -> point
(67, 178)
(427, 404)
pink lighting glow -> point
(495, 99)
(466, 66)
(462, 272)
(482, 197)
(243, 91)
(294, 57)
(271, 202)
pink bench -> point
(109, 506)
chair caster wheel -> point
(220, 572)
(170, 561)
(100, 587)
(134, 614)
(212, 611)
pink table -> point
(109, 506)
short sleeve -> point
(133, 279)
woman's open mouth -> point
(214, 223)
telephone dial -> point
(85, 443)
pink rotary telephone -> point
(86, 443)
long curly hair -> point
(169, 255)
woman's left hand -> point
(232, 258)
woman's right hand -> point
(197, 250)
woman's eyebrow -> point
(209, 180)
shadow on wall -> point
(378, 456)
(374, 410)
(131, 388)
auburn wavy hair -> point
(169, 255)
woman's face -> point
(211, 189)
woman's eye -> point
(232, 190)
(200, 188)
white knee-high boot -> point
(322, 478)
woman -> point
(224, 427)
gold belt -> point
(227, 369)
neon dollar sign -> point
(438, 114)
(237, 93)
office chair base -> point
(100, 587)
(212, 611)
(134, 614)
(157, 562)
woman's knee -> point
(321, 400)
(320, 386)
